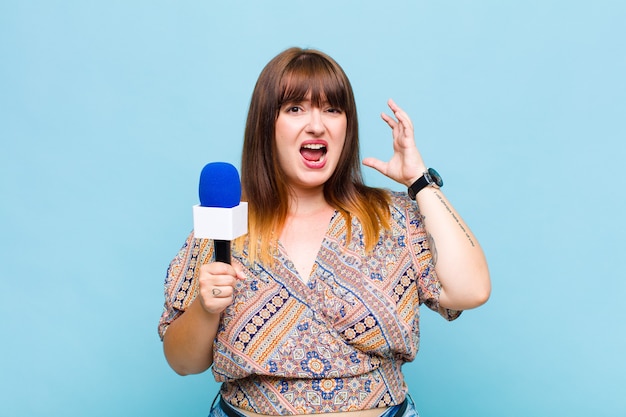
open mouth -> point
(313, 152)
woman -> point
(319, 309)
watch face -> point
(435, 177)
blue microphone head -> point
(219, 185)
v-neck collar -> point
(288, 264)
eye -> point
(328, 108)
(293, 108)
(334, 110)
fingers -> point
(222, 291)
(403, 119)
(240, 275)
(406, 161)
(377, 164)
(217, 285)
(389, 120)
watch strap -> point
(417, 186)
(430, 177)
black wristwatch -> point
(430, 177)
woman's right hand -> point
(217, 282)
(188, 342)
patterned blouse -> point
(334, 343)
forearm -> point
(459, 261)
(188, 341)
(458, 258)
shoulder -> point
(401, 200)
(403, 208)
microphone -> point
(220, 215)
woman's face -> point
(309, 141)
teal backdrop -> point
(110, 109)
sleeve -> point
(181, 279)
(429, 286)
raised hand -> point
(406, 164)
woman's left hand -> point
(406, 164)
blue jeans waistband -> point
(404, 409)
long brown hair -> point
(291, 76)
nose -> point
(315, 124)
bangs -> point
(311, 76)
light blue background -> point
(109, 110)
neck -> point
(306, 203)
